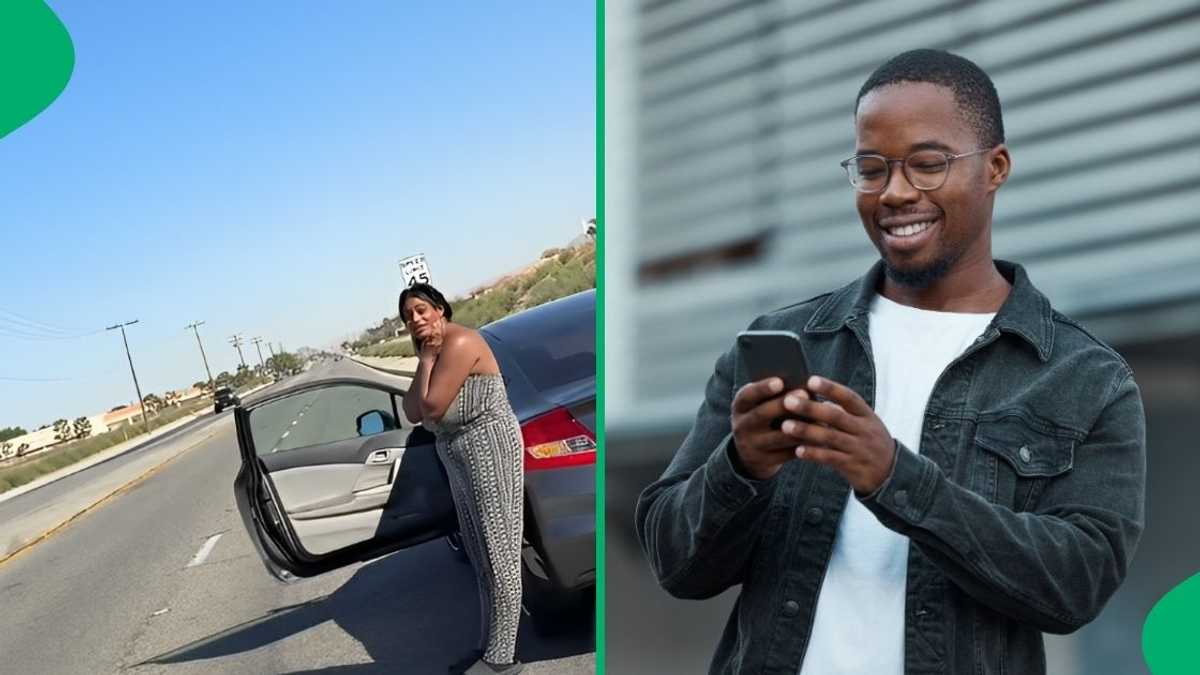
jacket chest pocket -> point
(1018, 459)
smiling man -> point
(967, 472)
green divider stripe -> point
(1169, 641)
(36, 60)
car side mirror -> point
(374, 422)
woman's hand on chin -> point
(431, 345)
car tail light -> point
(555, 440)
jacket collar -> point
(1026, 313)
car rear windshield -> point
(560, 350)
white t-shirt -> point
(859, 623)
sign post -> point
(415, 269)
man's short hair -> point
(973, 89)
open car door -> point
(332, 475)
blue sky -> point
(262, 166)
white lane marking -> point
(162, 611)
(285, 434)
(205, 550)
(295, 422)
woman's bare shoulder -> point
(462, 338)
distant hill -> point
(558, 273)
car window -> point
(318, 417)
(557, 359)
(551, 346)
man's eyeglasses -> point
(924, 169)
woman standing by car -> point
(458, 393)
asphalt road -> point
(62, 489)
(163, 578)
(22, 505)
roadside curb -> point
(86, 508)
(253, 390)
(387, 368)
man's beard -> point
(923, 277)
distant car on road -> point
(224, 398)
(332, 474)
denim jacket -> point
(1023, 508)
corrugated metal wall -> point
(745, 108)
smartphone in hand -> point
(773, 353)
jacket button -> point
(813, 515)
(1024, 452)
(900, 498)
(791, 608)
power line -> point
(152, 347)
(36, 379)
(40, 325)
(20, 333)
(22, 327)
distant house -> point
(183, 395)
(44, 438)
(190, 394)
(36, 440)
(114, 417)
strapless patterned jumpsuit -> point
(479, 442)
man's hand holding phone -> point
(762, 446)
(818, 420)
(839, 430)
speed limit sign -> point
(415, 269)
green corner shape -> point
(1169, 640)
(36, 61)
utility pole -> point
(258, 341)
(236, 341)
(136, 386)
(271, 348)
(195, 326)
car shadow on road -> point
(414, 612)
